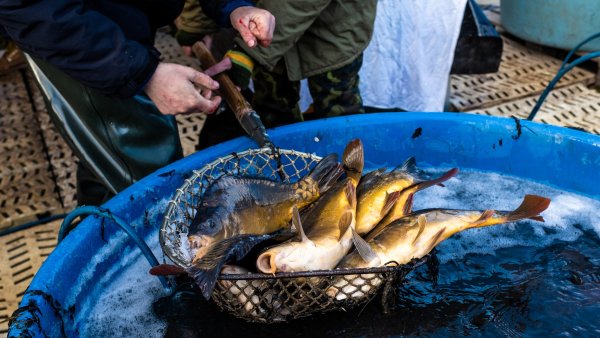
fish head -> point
(288, 258)
(200, 244)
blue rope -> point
(565, 67)
(100, 212)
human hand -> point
(177, 89)
(254, 24)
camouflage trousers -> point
(334, 93)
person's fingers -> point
(207, 40)
(187, 50)
(208, 106)
(220, 67)
(255, 25)
(206, 93)
(263, 28)
(265, 43)
(204, 81)
(246, 34)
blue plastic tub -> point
(68, 282)
(556, 23)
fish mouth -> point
(266, 263)
(200, 244)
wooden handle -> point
(227, 88)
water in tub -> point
(526, 278)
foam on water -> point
(125, 309)
(479, 191)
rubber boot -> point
(119, 140)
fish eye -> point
(210, 224)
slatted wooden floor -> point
(37, 169)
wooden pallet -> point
(523, 72)
(21, 255)
(575, 106)
(27, 184)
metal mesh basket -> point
(265, 298)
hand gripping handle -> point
(244, 113)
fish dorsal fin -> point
(351, 194)
(353, 159)
(410, 165)
(364, 250)
(436, 239)
(372, 175)
(297, 223)
(485, 215)
(390, 201)
(345, 222)
(421, 221)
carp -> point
(237, 213)
(325, 230)
(389, 195)
(416, 234)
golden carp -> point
(416, 234)
(389, 194)
(236, 213)
(326, 227)
(403, 205)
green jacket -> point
(312, 36)
(192, 24)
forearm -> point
(83, 43)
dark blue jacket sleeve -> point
(220, 10)
(82, 42)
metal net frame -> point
(263, 298)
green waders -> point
(119, 140)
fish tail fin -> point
(206, 270)
(326, 173)
(354, 160)
(531, 207)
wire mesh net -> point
(264, 298)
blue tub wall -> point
(69, 279)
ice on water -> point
(126, 307)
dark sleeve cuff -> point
(138, 82)
(230, 7)
(187, 39)
(220, 11)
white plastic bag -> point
(407, 64)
